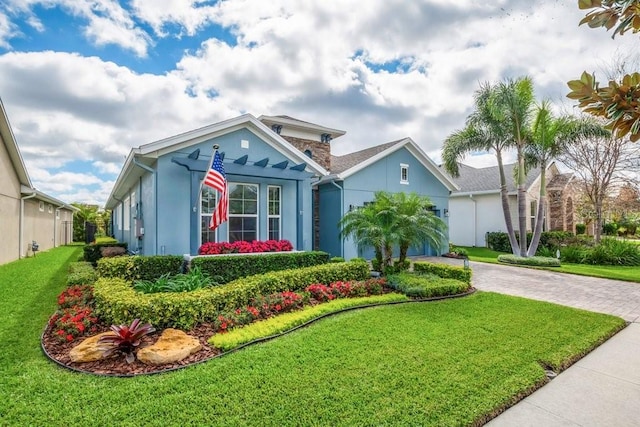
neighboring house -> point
(399, 166)
(283, 183)
(476, 208)
(26, 214)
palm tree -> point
(549, 138)
(515, 98)
(415, 223)
(485, 131)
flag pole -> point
(213, 154)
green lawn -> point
(629, 274)
(451, 362)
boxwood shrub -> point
(231, 267)
(117, 302)
(443, 270)
(426, 285)
(92, 252)
(138, 267)
(536, 261)
(81, 273)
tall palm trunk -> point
(522, 206)
(535, 240)
(506, 211)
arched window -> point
(308, 153)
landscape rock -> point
(89, 350)
(172, 346)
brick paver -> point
(590, 293)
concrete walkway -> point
(601, 389)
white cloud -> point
(8, 30)
(319, 61)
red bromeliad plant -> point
(126, 339)
(243, 247)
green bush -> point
(192, 280)
(232, 267)
(117, 302)
(287, 321)
(417, 285)
(81, 273)
(443, 270)
(106, 240)
(92, 252)
(612, 251)
(499, 241)
(337, 259)
(536, 261)
(581, 228)
(573, 254)
(139, 267)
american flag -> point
(216, 179)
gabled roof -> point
(12, 147)
(26, 187)
(294, 123)
(487, 180)
(559, 181)
(145, 154)
(349, 164)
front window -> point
(243, 212)
(208, 199)
(274, 213)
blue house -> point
(398, 166)
(283, 184)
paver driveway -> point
(590, 293)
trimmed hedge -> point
(426, 285)
(552, 240)
(137, 267)
(116, 301)
(536, 261)
(81, 273)
(232, 267)
(287, 321)
(443, 270)
(92, 252)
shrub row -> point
(551, 240)
(81, 273)
(242, 247)
(536, 261)
(610, 251)
(228, 268)
(137, 267)
(426, 285)
(92, 252)
(117, 302)
(443, 270)
(287, 321)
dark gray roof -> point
(340, 164)
(488, 179)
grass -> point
(629, 274)
(451, 362)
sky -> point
(84, 81)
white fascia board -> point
(474, 193)
(296, 124)
(12, 148)
(39, 195)
(123, 178)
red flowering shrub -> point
(69, 323)
(323, 293)
(75, 295)
(243, 247)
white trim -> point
(474, 193)
(301, 125)
(404, 168)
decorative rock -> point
(172, 346)
(89, 350)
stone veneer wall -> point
(556, 210)
(320, 151)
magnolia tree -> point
(619, 101)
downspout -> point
(475, 220)
(56, 211)
(21, 232)
(333, 181)
(155, 198)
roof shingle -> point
(340, 164)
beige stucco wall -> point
(9, 208)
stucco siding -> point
(9, 208)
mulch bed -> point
(117, 366)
